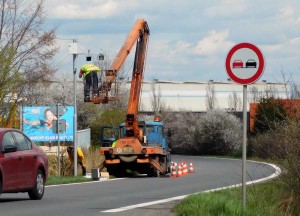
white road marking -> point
(88, 182)
(145, 204)
(274, 175)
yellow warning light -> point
(156, 118)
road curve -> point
(134, 196)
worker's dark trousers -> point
(91, 79)
(83, 168)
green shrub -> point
(282, 145)
(268, 114)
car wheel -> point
(0, 184)
(37, 192)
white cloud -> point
(295, 42)
(291, 46)
(287, 14)
(69, 9)
(186, 36)
(215, 42)
(159, 46)
(168, 52)
(181, 47)
(226, 8)
(287, 11)
(272, 48)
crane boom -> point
(132, 127)
(140, 31)
(140, 145)
(139, 28)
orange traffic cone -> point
(174, 174)
(179, 173)
(191, 168)
(184, 168)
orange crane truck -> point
(140, 146)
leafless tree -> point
(157, 103)
(123, 73)
(234, 102)
(211, 101)
(295, 93)
(26, 50)
(271, 92)
(254, 94)
(88, 113)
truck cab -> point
(153, 133)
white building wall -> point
(192, 96)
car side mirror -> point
(10, 148)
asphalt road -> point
(159, 194)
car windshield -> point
(7, 140)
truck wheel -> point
(156, 172)
(111, 170)
(152, 172)
(37, 192)
(116, 170)
(168, 158)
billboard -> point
(38, 124)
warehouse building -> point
(198, 96)
(185, 96)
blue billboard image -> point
(38, 124)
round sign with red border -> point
(245, 63)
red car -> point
(23, 165)
(237, 64)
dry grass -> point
(65, 164)
(92, 159)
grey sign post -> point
(244, 65)
(59, 126)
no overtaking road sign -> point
(244, 63)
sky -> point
(189, 40)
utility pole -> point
(73, 49)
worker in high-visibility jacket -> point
(91, 79)
(80, 158)
(114, 143)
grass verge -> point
(262, 200)
(56, 180)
